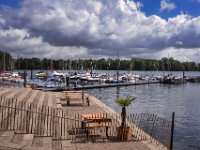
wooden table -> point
(94, 121)
(77, 98)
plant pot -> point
(123, 133)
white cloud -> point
(179, 42)
(19, 42)
(166, 5)
(139, 5)
(97, 28)
(181, 54)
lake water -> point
(162, 100)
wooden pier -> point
(39, 120)
(98, 86)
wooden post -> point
(25, 81)
(61, 134)
(67, 80)
(82, 96)
(88, 101)
(64, 125)
(48, 115)
(31, 72)
(68, 101)
(32, 117)
(2, 114)
(172, 132)
(117, 76)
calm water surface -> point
(162, 99)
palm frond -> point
(124, 102)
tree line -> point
(7, 63)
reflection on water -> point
(162, 99)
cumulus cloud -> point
(166, 5)
(179, 42)
(97, 28)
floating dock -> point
(98, 86)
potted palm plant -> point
(123, 129)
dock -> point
(15, 139)
(94, 86)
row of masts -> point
(6, 67)
(10, 65)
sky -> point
(72, 29)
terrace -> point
(32, 119)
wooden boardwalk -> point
(10, 139)
(37, 97)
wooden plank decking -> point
(47, 101)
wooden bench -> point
(70, 100)
(91, 121)
(72, 96)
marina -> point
(156, 96)
(99, 75)
(75, 80)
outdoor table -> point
(94, 121)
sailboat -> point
(170, 78)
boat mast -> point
(108, 67)
(11, 64)
(168, 63)
(69, 67)
(63, 65)
(91, 68)
(4, 62)
(118, 65)
(131, 66)
(51, 65)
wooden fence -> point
(23, 117)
